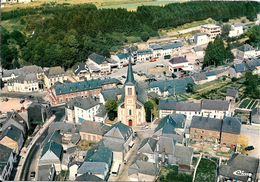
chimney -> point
(163, 155)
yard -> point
(206, 170)
(170, 173)
(85, 145)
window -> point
(130, 112)
(94, 137)
(89, 137)
(129, 91)
(202, 131)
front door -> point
(130, 122)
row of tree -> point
(64, 35)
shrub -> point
(233, 79)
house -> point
(167, 125)
(211, 30)
(157, 50)
(183, 156)
(166, 107)
(46, 172)
(10, 74)
(81, 71)
(141, 170)
(170, 49)
(122, 132)
(122, 59)
(199, 61)
(73, 168)
(144, 54)
(236, 30)
(246, 51)
(239, 168)
(170, 87)
(114, 93)
(13, 138)
(16, 120)
(92, 131)
(51, 153)
(53, 75)
(165, 149)
(6, 162)
(61, 93)
(54, 136)
(98, 162)
(255, 115)
(131, 104)
(148, 148)
(231, 95)
(133, 52)
(239, 69)
(178, 64)
(224, 131)
(79, 109)
(88, 177)
(66, 129)
(23, 83)
(198, 51)
(201, 38)
(99, 62)
(101, 114)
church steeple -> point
(130, 76)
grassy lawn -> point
(86, 145)
(206, 170)
(62, 176)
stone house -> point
(92, 131)
(53, 75)
(231, 95)
(81, 71)
(148, 148)
(255, 115)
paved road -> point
(30, 163)
(37, 95)
(59, 112)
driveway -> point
(252, 132)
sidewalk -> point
(27, 150)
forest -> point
(63, 35)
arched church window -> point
(130, 112)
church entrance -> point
(130, 122)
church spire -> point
(130, 76)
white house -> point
(177, 64)
(236, 30)
(99, 62)
(144, 54)
(247, 51)
(201, 38)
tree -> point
(148, 106)
(173, 75)
(106, 53)
(225, 31)
(254, 36)
(111, 107)
(144, 36)
(252, 86)
(189, 88)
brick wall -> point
(229, 139)
(205, 135)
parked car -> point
(22, 101)
(123, 76)
(31, 96)
(249, 148)
(32, 175)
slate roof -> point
(32, 69)
(78, 67)
(99, 153)
(144, 52)
(153, 95)
(101, 111)
(231, 125)
(206, 123)
(214, 105)
(210, 73)
(183, 154)
(8, 73)
(54, 147)
(93, 167)
(97, 58)
(94, 128)
(124, 130)
(142, 167)
(83, 103)
(156, 46)
(197, 49)
(24, 77)
(177, 60)
(113, 144)
(172, 46)
(130, 80)
(167, 144)
(186, 106)
(232, 93)
(54, 136)
(148, 145)
(245, 47)
(112, 93)
(54, 71)
(16, 120)
(199, 76)
(83, 85)
(44, 172)
(255, 111)
(12, 132)
(123, 55)
(5, 153)
(168, 85)
(247, 164)
(167, 104)
(75, 138)
(64, 127)
(167, 124)
(252, 64)
(241, 67)
(88, 177)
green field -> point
(206, 170)
(248, 104)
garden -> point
(248, 104)
(206, 170)
(170, 173)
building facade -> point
(53, 75)
(211, 30)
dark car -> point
(22, 101)
(123, 76)
(249, 148)
(31, 96)
(32, 175)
